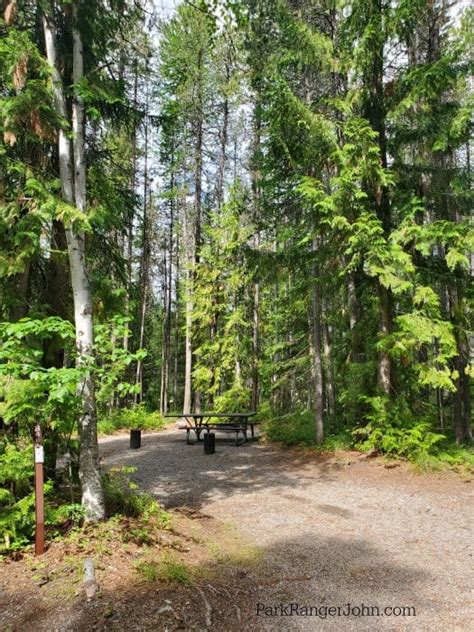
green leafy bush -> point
(460, 458)
(292, 429)
(31, 392)
(235, 398)
(17, 518)
(123, 498)
(137, 417)
(17, 499)
(112, 362)
(392, 429)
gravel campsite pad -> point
(265, 528)
(331, 531)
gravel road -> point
(333, 531)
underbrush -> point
(391, 432)
(297, 429)
(123, 501)
(122, 497)
(447, 456)
(137, 417)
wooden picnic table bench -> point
(237, 422)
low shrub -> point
(136, 417)
(123, 498)
(17, 502)
(299, 429)
(390, 427)
(17, 499)
(448, 455)
(292, 429)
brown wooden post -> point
(39, 492)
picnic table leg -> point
(252, 430)
(244, 434)
(244, 431)
(199, 428)
(188, 430)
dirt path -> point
(326, 532)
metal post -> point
(39, 492)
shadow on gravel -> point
(322, 572)
(182, 475)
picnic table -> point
(239, 423)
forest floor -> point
(257, 526)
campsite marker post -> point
(39, 492)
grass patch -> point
(148, 570)
(248, 555)
(232, 550)
(137, 417)
(168, 569)
(448, 456)
(173, 570)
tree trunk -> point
(223, 152)
(255, 345)
(375, 112)
(328, 367)
(462, 395)
(256, 195)
(316, 351)
(198, 195)
(384, 377)
(176, 330)
(353, 309)
(128, 245)
(167, 294)
(188, 350)
(144, 265)
(193, 244)
(92, 494)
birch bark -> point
(73, 190)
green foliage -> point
(391, 429)
(113, 362)
(235, 398)
(446, 455)
(122, 497)
(33, 393)
(352, 185)
(17, 518)
(292, 429)
(172, 570)
(136, 417)
(219, 299)
(298, 429)
(148, 570)
(17, 499)
(168, 569)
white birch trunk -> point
(74, 192)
